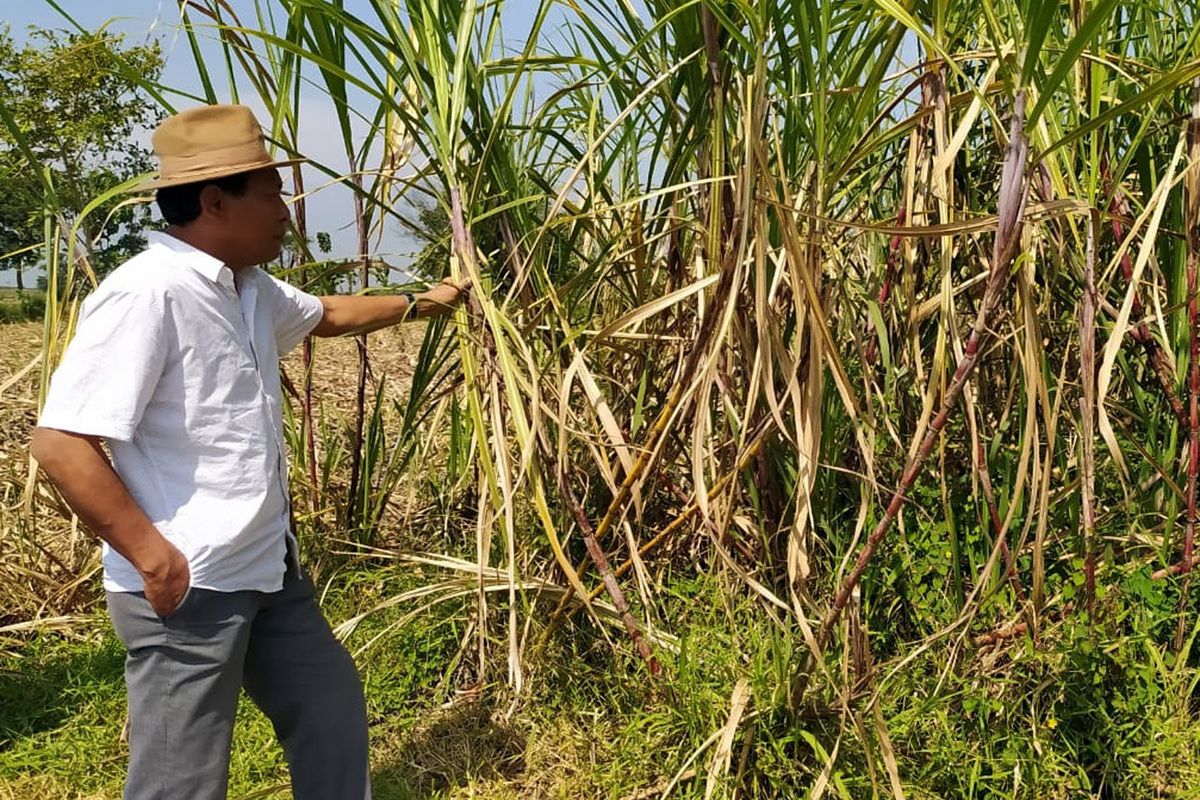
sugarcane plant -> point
(828, 302)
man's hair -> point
(181, 204)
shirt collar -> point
(207, 265)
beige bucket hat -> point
(209, 142)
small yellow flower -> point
(1051, 723)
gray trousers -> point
(184, 674)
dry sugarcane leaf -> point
(1154, 211)
(724, 752)
(19, 374)
(604, 414)
(889, 753)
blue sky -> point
(144, 20)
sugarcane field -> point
(623, 399)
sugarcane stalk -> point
(1087, 368)
(360, 393)
(1016, 629)
(1087, 410)
(1013, 193)
(1191, 210)
(598, 557)
(300, 213)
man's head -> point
(218, 187)
(241, 219)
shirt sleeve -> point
(293, 313)
(111, 367)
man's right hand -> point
(442, 298)
(79, 467)
(167, 582)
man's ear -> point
(212, 201)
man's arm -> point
(77, 465)
(346, 314)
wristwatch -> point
(411, 308)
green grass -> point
(1063, 718)
(62, 704)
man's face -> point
(257, 221)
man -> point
(175, 364)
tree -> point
(432, 229)
(78, 114)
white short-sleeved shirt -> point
(176, 364)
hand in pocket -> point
(167, 587)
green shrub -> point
(33, 306)
(23, 307)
